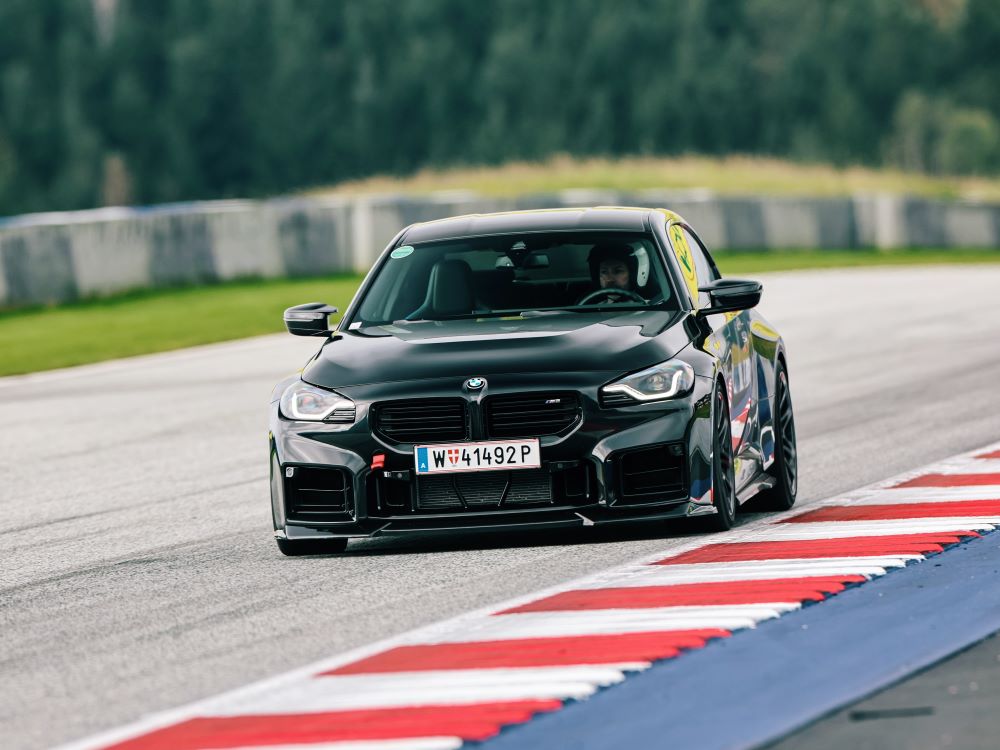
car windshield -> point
(515, 274)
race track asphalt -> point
(137, 568)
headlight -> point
(666, 380)
(303, 401)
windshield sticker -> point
(683, 253)
(401, 252)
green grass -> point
(726, 175)
(155, 321)
(145, 322)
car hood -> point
(567, 342)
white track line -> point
(445, 695)
(894, 495)
(667, 575)
(449, 687)
(847, 529)
(140, 361)
(969, 466)
(611, 621)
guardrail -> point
(59, 257)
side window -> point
(682, 253)
(695, 264)
(707, 270)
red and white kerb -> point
(466, 678)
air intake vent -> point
(318, 494)
(485, 490)
(652, 474)
(425, 421)
(528, 415)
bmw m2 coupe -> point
(536, 369)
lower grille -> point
(318, 494)
(485, 490)
(652, 474)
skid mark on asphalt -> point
(107, 568)
(117, 510)
(465, 679)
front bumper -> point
(591, 470)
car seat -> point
(449, 291)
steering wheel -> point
(609, 293)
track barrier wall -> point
(60, 257)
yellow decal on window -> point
(683, 253)
(671, 215)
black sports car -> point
(532, 369)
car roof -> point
(539, 220)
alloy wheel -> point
(786, 419)
(724, 491)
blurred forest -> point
(142, 101)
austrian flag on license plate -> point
(486, 456)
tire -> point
(298, 547)
(785, 468)
(723, 476)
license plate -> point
(485, 456)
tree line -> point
(143, 101)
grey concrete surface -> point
(56, 257)
(137, 569)
(952, 706)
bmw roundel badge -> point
(475, 384)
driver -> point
(613, 265)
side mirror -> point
(730, 295)
(310, 319)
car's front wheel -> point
(298, 547)
(723, 474)
(785, 469)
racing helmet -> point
(635, 259)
